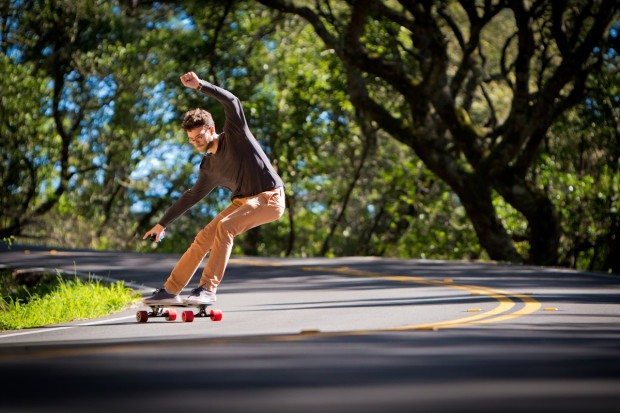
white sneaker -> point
(200, 296)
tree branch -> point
(379, 9)
(307, 14)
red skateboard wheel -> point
(142, 316)
(171, 315)
(188, 316)
(216, 315)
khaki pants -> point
(217, 237)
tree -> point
(422, 71)
(78, 114)
(45, 43)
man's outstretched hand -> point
(156, 233)
(190, 79)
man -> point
(234, 160)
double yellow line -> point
(501, 312)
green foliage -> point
(120, 105)
(52, 299)
(8, 241)
(23, 287)
(26, 149)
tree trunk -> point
(612, 259)
(368, 134)
(475, 195)
(542, 218)
(290, 201)
(250, 243)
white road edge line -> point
(48, 330)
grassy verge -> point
(35, 300)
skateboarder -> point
(232, 159)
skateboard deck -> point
(170, 313)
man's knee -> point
(201, 240)
(225, 228)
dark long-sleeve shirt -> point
(239, 163)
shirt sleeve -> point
(231, 103)
(191, 197)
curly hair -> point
(196, 118)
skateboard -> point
(186, 315)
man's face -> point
(200, 137)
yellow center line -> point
(254, 262)
(530, 306)
(505, 304)
(494, 315)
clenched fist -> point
(190, 79)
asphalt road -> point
(339, 335)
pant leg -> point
(261, 209)
(193, 256)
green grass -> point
(43, 299)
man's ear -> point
(211, 129)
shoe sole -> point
(162, 302)
(187, 302)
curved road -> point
(341, 335)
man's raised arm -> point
(232, 105)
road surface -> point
(329, 335)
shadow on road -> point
(241, 372)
